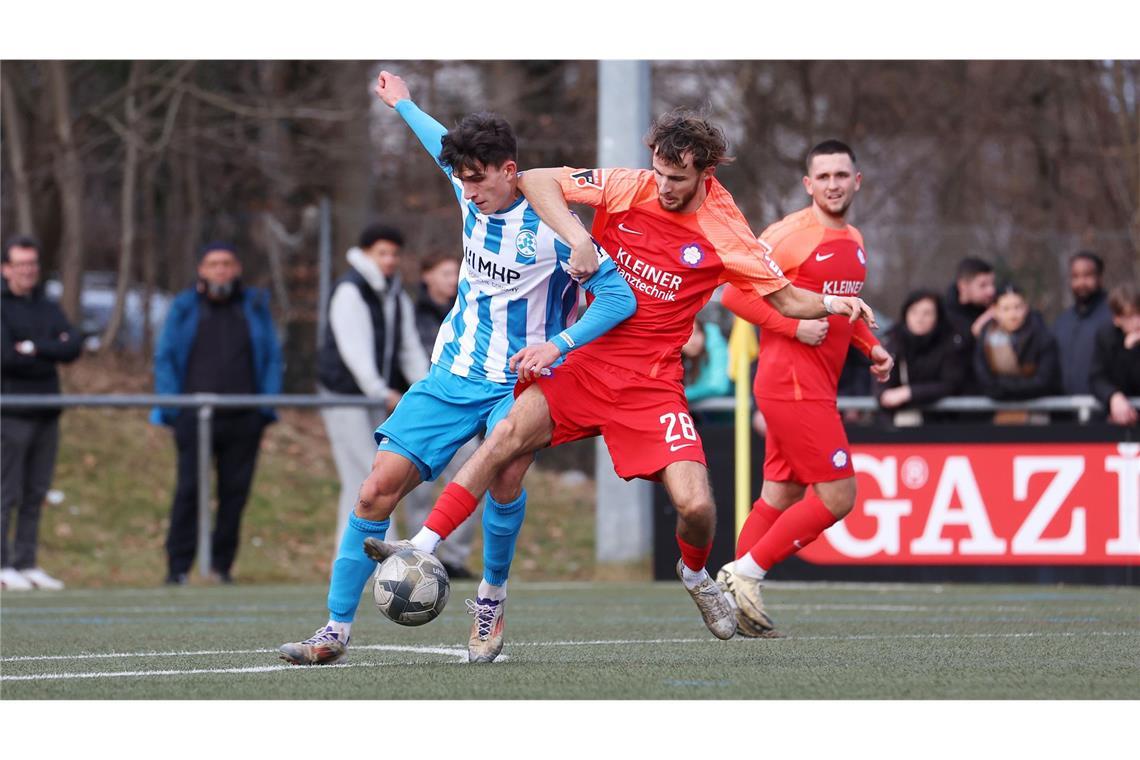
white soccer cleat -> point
(745, 597)
(12, 579)
(39, 579)
(322, 648)
(486, 640)
(718, 615)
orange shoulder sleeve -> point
(614, 190)
(748, 263)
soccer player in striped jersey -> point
(797, 379)
(676, 235)
(516, 303)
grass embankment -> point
(116, 474)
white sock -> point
(747, 567)
(342, 629)
(487, 591)
(692, 578)
(426, 540)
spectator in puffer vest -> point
(370, 349)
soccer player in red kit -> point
(797, 377)
(675, 235)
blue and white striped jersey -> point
(514, 290)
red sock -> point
(759, 520)
(694, 557)
(454, 506)
(798, 526)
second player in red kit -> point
(797, 378)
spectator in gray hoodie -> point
(370, 349)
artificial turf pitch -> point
(582, 641)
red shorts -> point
(806, 442)
(644, 421)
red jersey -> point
(672, 261)
(822, 260)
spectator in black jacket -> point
(969, 306)
(34, 336)
(1077, 326)
(929, 363)
(1016, 357)
(1115, 372)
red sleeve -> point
(863, 339)
(755, 309)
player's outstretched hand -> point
(881, 364)
(812, 331)
(391, 89)
(583, 260)
(855, 308)
(532, 360)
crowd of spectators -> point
(982, 338)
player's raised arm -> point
(394, 93)
(543, 189)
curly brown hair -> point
(682, 131)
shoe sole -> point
(301, 660)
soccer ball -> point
(411, 587)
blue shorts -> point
(438, 415)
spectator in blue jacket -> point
(218, 338)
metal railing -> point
(206, 403)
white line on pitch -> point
(441, 649)
(453, 652)
(462, 653)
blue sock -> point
(352, 567)
(501, 526)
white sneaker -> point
(39, 579)
(12, 580)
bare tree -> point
(69, 178)
(16, 153)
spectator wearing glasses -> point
(35, 336)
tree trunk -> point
(68, 171)
(191, 239)
(149, 227)
(132, 138)
(16, 153)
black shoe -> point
(177, 579)
(457, 572)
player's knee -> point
(696, 508)
(840, 508)
(506, 440)
(377, 497)
(839, 498)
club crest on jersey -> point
(862, 256)
(692, 255)
(839, 459)
(526, 244)
(589, 178)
